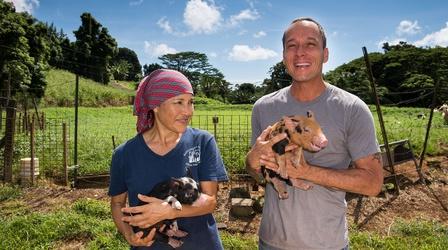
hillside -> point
(60, 91)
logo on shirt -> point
(193, 156)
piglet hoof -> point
(180, 234)
(301, 184)
(175, 243)
(177, 205)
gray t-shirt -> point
(315, 219)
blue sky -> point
(242, 38)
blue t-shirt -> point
(136, 169)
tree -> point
(120, 69)
(94, 49)
(405, 75)
(135, 69)
(195, 66)
(24, 51)
(279, 78)
(244, 94)
(149, 68)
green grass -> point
(60, 91)
(90, 222)
(9, 192)
(86, 220)
(97, 127)
(404, 235)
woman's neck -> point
(160, 140)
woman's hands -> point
(135, 239)
(149, 214)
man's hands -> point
(261, 152)
(149, 214)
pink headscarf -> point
(154, 89)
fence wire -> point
(48, 146)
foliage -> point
(94, 49)
(148, 68)
(405, 75)
(8, 192)
(133, 69)
(24, 51)
(245, 93)
(204, 78)
(278, 80)
(120, 69)
(238, 241)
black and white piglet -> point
(176, 191)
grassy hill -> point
(60, 91)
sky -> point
(242, 38)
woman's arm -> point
(157, 210)
(118, 202)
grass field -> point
(102, 129)
(87, 223)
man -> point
(315, 218)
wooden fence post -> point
(9, 140)
(32, 165)
(65, 153)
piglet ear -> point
(309, 114)
(174, 183)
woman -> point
(165, 147)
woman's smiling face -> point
(175, 113)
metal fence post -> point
(215, 124)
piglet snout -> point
(320, 141)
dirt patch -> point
(415, 200)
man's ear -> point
(326, 55)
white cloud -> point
(260, 34)
(438, 38)
(135, 3)
(165, 25)
(201, 17)
(154, 50)
(25, 5)
(407, 27)
(244, 53)
(244, 15)
(212, 55)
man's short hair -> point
(301, 19)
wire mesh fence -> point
(97, 139)
(47, 143)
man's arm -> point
(366, 177)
